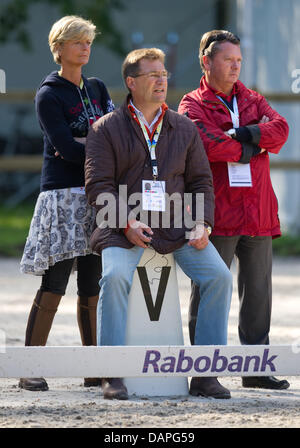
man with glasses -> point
(239, 129)
(155, 153)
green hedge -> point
(287, 245)
(14, 225)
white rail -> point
(149, 361)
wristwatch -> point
(208, 228)
(231, 133)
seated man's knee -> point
(221, 278)
(226, 275)
(115, 275)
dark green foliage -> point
(14, 15)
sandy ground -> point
(68, 404)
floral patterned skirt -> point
(60, 229)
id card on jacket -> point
(239, 174)
(78, 190)
(154, 195)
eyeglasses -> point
(217, 38)
(154, 75)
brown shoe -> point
(208, 387)
(92, 382)
(114, 388)
(33, 384)
(265, 382)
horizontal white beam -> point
(155, 361)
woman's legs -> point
(44, 307)
(89, 269)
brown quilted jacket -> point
(117, 154)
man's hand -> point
(135, 233)
(199, 237)
(264, 119)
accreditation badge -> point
(239, 175)
(154, 195)
(78, 190)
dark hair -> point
(211, 41)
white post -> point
(154, 318)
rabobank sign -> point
(217, 363)
(146, 362)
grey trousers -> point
(254, 257)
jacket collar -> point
(234, 91)
(208, 95)
(168, 117)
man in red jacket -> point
(239, 129)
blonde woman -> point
(66, 105)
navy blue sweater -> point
(64, 111)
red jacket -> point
(238, 210)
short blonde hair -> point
(69, 28)
(130, 65)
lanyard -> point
(84, 106)
(152, 145)
(239, 174)
(235, 113)
(82, 101)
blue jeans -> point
(205, 267)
